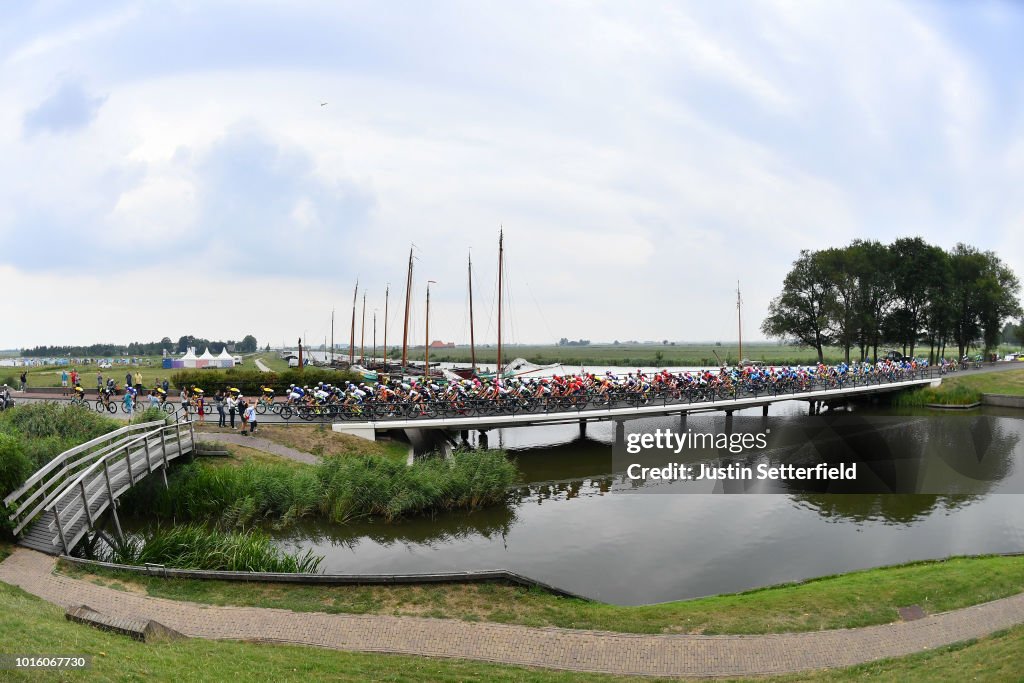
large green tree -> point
(800, 313)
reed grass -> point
(955, 395)
(193, 546)
(338, 489)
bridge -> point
(66, 498)
(422, 430)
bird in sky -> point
(323, 104)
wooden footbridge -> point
(66, 498)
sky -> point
(230, 168)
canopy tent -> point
(224, 360)
(188, 360)
(206, 360)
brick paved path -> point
(596, 651)
(258, 443)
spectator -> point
(218, 400)
(154, 400)
(138, 378)
(242, 411)
(250, 416)
(99, 381)
(232, 405)
(24, 381)
(129, 404)
(128, 379)
(64, 379)
(166, 385)
(74, 377)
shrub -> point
(15, 466)
(250, 381)
(340, 489)
(41, 420)
(192, 546)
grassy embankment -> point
(845, 601)
(966, 389)
(322, 441)
(33, 626)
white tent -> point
(189, 360)
(225, 360)
(206, 360)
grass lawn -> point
(845, 601)
(30, 625)
(1007, 382)
(50, 376)
(966, 389)
(273, 361)
(239, 455)
(321, 440)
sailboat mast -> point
(386, 292)
(362, 334)
(739, 319)
(408, 301)
(472, 341)
(374, 336)
(426, 346)
(501, 272)
(332, 336)
(352, 338)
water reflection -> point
(884, 508)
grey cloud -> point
(69, 108)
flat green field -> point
(636, 354)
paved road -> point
(30, 397)
(556, 648)
(261, 366)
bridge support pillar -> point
(583, 427)
(728, 422)
(481, 439)
(620, 431)
(764, 410)
(682, 422)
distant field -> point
(49, 376)
(635, 354)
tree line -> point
(247, 345)
(907, 294)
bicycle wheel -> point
(168, 408)
(261, 408)
(285, 412)
(111, 408)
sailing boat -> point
(470, 372)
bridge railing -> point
(40, 489)
(84, 498)
(402, 411)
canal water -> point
(578, 523)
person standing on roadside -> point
(64, 379)
(167, 385)
(24, 381)
(250, 416)
(129, 404)
(74, 377)
(138, 380)
(99, 381)
(218, 400)
(242, 411)
(128, 379)
(232, 405)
